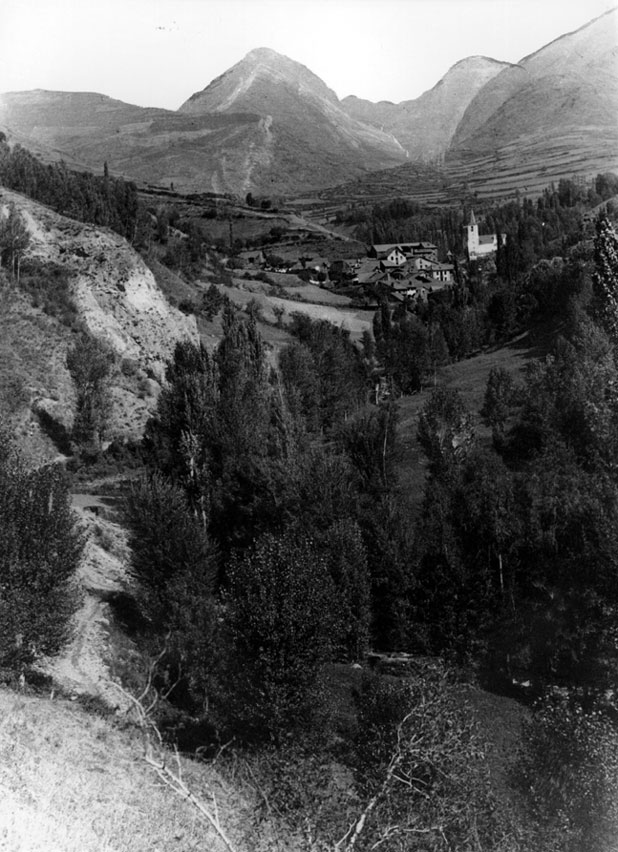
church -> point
(480, 246)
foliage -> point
(281, 616)
(14, 240)
(499, 399)
(568, 772)
(346, 557)
(101, 200)
(89, 362)
(605, 278)
(48, 285)
(463, 576)
(334, 385)
(445, 430)
(174, 566)
(40, 548)
(421, 770)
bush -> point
(40, 549)
(568, 772)
(281, 617)
(419, 754)
(49, 288)
(129, 367)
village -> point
(403, 272)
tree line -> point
(98, 199)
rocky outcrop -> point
(118, 301)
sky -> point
(159, 52)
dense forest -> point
(273, 546)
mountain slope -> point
(303, 124)
(271, 126)
(117, 300)
(267, 125)
(426, 125)
(557, 108)
(152, 145)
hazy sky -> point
(158, 52)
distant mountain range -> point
(270, 126)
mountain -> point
(554, 113)
(426, 125)
(86, 129)
(267, 125)
(303, 128)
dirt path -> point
(80, 668)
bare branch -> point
(155, 757)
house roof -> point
(487, 239)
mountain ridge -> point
(425, 125)
(268, 124)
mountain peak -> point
(265, 54)
(263, 77)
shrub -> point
(129, 367)
(49, 288)
(419, 758)
(568, 772)
(40, 549)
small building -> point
(389, 253)
(422, 249)
(480, 245)
(420, 264)
(442, 272)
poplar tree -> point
(14, 240)
(605, 278)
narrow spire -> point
(472, 219)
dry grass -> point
(70, 782)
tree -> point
(445, 429)
(281, 616)
(499, 396)
(175, 568)
(89, 362)
(605, 278)
(40, 549)
(14, 240)
(346, 557)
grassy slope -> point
(74, 782)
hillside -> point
(553, 114)
(425, 126)
(117, 300)
(74, 782)
(267, 125)
(302, 121)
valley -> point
(308, 462)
